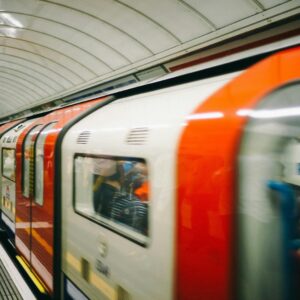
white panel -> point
(118, 40)
(12, 98)
(39, 85)
(223, 13)
(28, 6)
(14, 95)
(126, 260)
(40, 80)
(15, 87)
(63, 70)
(55, 35)
(272, 3)
(67, 45)
(25, 81)
(6, 107)
(78, 45)
(41, 45)
(188, 24)
(94, 51)
(94, 26)
(23, 77)
(38, 69)
(32, 73)
(136, 25)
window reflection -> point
(8, 167)
(120, 190)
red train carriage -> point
(7, 126)
(8, 141)
(35, 189)
(4, 128)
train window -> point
(9, 163)
(114, 192)
(39, 164)
(28, 150)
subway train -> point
(187, 191)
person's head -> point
(105, 167)
(141, 168)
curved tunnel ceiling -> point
(52, 48)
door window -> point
(28, 154)
(9, 163)
(39, 164)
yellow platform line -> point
(38, 283)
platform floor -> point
(12, 285)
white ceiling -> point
(52, 48)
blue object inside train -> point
(289, 216)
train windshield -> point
(113, 191)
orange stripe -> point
(36, 236)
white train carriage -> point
(8, 176)
(105, 253)
(177, 193)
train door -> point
(35, 206)
(113, 192)
(41, 218)
(269, 199)
(25, 192)
(8, 176)
(3, 129)
(34, 237)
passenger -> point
(131, 212)
(106, 184)
(128, 208)
(135, 178)
(115, 195)
(142, 192)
